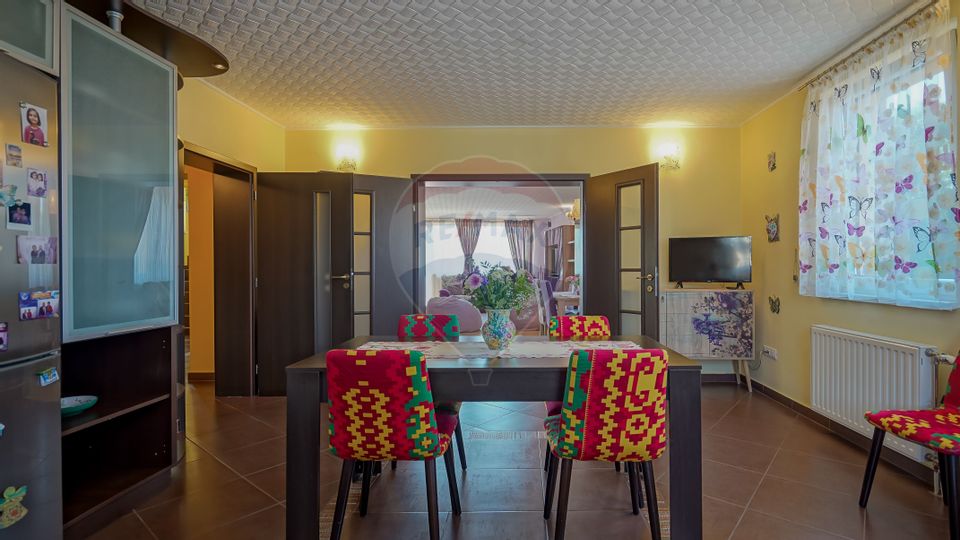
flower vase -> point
(498, 331)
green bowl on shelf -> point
(74, 405)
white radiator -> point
(852, 372)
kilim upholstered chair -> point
(428, 326)
(441, 328)
(937, 429)
(614, 409)
(381, 408)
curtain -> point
(879, 208)
(469, 232)
(154, 259)
(520, 237)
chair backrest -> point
(579, 326)
(428, 326)
(614, 405)
(381, 405)
(546, 299)
(952, 397)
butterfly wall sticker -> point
(774, 304)
(773, 228)
(919, 48)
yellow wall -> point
(209, 118)
(778, 129)
(200, 217)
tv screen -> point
(711, 259)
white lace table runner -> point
(518, 349)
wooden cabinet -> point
(561, 256)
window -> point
(879, 207)
(445, 256)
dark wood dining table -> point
(484, 378)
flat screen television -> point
(711, 259)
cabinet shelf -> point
(103, 412)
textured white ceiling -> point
(390, 63)
(498, 203)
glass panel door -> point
(27, 32)
(630, 257)
(120, 220)
(362, 262)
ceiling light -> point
(221, 67)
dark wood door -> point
(392, 269)
(301, 218)
(233, 281)
(620, 216)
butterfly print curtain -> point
(879, 208)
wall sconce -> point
(670, 156)
(347, 155)
(574, 213)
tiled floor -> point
(766, 474)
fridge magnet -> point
(18, 216)
(14, 155)
(8, 195)
(774, 304)
(12, 509)
(37, 249)
(33, 122)
(36, 183)
(773, 228)
(3, 337)
(39, 305)
(772, 161)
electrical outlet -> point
(770, 352)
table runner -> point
(476, 349)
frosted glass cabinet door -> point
(120, 222)
(27, 31)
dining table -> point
(531, 369)
(566, 300)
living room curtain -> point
(879, 207)
(469, 232)
(520, 238)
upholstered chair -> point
(441, 328)
(381, 408)
(614, 409)
(937, 429)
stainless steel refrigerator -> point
(30, 482)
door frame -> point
(251, 172)
(420, 184)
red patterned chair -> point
(614, 409)
(937, 429)
(579, 327)
(381, 408)
(420, 325)
(442, 328)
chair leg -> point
(560, 526)
(433, 513)
(953, 461)
(393, 465)
(546, 458)
(650, 486)
(367, 470)
(632, 472)
(452, 482)
(346, 476)
(872, 462)
(460, 447)
(942, 460)
(616, 466)
(552, 462)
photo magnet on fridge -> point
(33, 122)
(18, 217)
(39, 305)
(4, 345)
(36, 183)
(14, 156)
(37, 249)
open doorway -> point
(527, 222)
(219, 269)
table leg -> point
(686, 466)
(303, 442)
